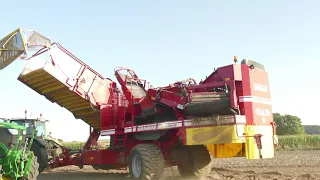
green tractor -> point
(17, 161)
(45, 147)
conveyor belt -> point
(207, 104)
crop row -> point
(300, 142)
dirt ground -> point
(295, 165)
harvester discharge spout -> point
(18, 44)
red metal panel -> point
(231, 72)
(107, 117)
(262, 108)
(105, 156)
(246, 91)
(255, 99)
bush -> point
(288, 124)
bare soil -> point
(293, 165)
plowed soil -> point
(295, 165)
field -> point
(298, 158)
(299, 165)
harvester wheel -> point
(34, 170)
(194, 161)
(146, 162)
(41, 154)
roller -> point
(207, 104)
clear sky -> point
(166, 41)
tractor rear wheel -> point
(146, 162)
(42, 155)
(194, 161)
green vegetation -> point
(288, 124)
(312, 129)
(295, 136)
(74, 145)
(79, 145)
(299, 142)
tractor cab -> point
(38, 123)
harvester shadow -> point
(170, 174)
(76, 175)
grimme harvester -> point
(229, 114)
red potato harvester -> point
(229, 114)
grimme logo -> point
(148, 127)
(263, 112)
(172, 125)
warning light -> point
(235, 59)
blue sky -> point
(165, 41)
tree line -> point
(292, 125)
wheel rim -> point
(136, 165)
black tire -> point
(152, 162)
(196, 162)
(34, 170)
(42, 156)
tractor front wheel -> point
(146, 162)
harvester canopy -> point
(16, 45)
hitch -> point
(257, 138)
